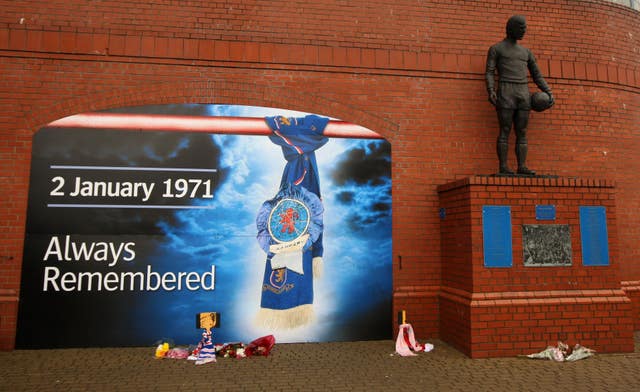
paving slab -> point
(343, 366)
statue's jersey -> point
(513, 62)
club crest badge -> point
(290, 222)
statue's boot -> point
(503, 151)
(521, 154)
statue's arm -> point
(490, 70)
(537, 77)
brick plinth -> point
(518, 309)
(632, 290)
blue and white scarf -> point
(290, 225)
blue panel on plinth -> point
(496, 236)
(545, 212)
(593, 233)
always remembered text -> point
(66, 250)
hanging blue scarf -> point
(292, 220)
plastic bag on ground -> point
(260, 346)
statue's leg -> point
(521, 121)
(505, 118)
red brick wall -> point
(411, 71)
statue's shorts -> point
(514, 96)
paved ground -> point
(354, 366)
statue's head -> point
(516, 27)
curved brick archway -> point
(213, 92)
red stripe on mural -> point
(233, 125)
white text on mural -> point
(170, 188)
(67, 250)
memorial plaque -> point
(496, 236)
(545, 212)
(593, 234)
(546, 245)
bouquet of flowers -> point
(231, 350)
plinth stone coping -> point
(550, 181)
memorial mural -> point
(134, 229)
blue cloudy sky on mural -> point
(352, 300)
(356, 189)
